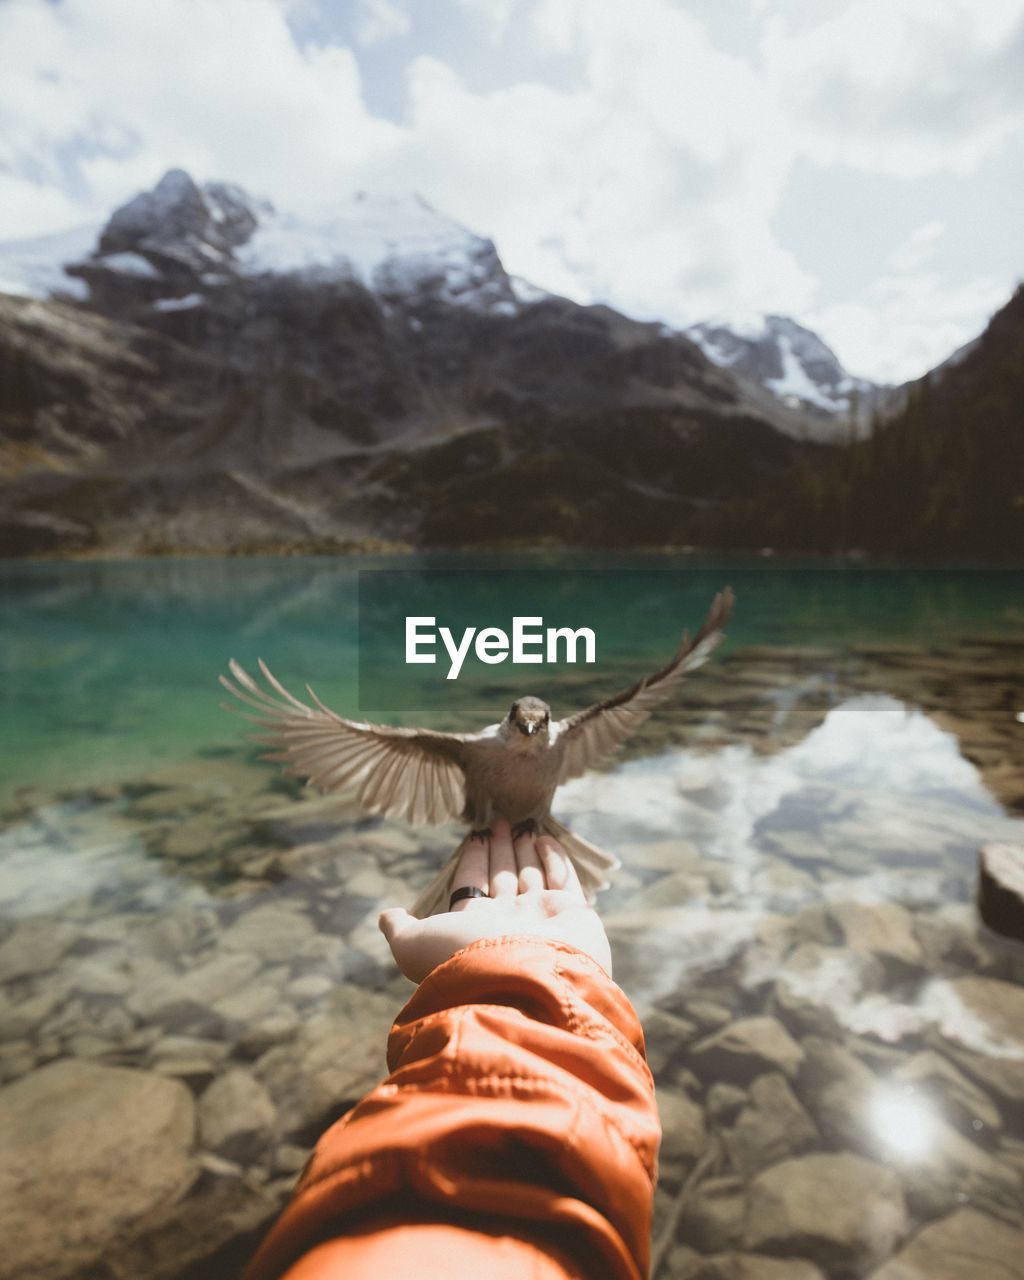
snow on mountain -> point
(789, 360)
(182, 238)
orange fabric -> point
(518, 1125)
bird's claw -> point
(480, 833)
(526, 828)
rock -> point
(966, 1245)
(999, 1008)
(836, 1087)
(270, 932)
(334, 1060)
(840, 1210)
(746, 1049)
(682, 1134)
(177, 997)
(884, 928)
(751, 1266)
(35, 947)
(288, 1158)
(816, 978)
(712, 1219)
(724, 1101)
(966, 1105)
(773, 1126)
(1001, 888)
(249, 1004)
(709, 1015)
(236, 1116)
(312, 986)
(85, 1152)
(23, 1019)
(665, 1038)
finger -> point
(564, 868)
(504, 876)
(473, 871)
(393, 921)
(554, 861)
(531, 873)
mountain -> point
(221, 376)
(795, 366)
(944, 475)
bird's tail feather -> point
(592, 864)
(434, 897)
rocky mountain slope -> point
(229, 378)
(794, 365)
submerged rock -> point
(1001, 888)
(773, 1126)
(966, 1245)
(236, 1116)
(85, 1152)
(840, 1210)
(746, 1049)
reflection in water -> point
(903, 1122)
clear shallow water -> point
(793, 916)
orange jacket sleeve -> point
(519, 1104)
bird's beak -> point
(530, 727)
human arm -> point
(519, 1106)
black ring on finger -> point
(468, 891)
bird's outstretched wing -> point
(590, 736)
(414, 774)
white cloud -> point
(905, 87)
(652, 183)
(904, 324)
(495, 15)
(380, 20)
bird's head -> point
(530, 717)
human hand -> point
(533, 890)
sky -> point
(857, 164)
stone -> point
(966, 1245)
(712, 1217)
(773, 1126)
(335, 1060)
(271, 932)
(836, 1087)
(724, 1101)
(746, 1049)
(24, 1018)
(839, 1210)
(312, 986)
(752, 1266)
(709, 1015)
(884, 928)
(665, 1038)
(35, 947)
(85, 1152)
(174, 997)
(236, 1116)
(969, 1108)
(999, 1008)
(682, 1134)
(1001, 888)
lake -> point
(192, 984)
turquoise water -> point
(109, 668)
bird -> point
(508, 770)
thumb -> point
(393, 921)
